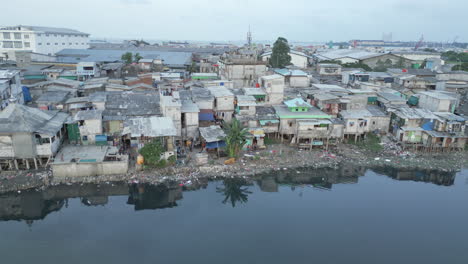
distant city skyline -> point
(229, 20)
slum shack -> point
(52, 100)
(212, 138)
(448, 133)
(141, 130)
(29, 137)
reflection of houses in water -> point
(27, 206)
(95, 200)
(145, 196)
(36, 205)
(429, 176)
(319, 178)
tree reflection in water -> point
(234, 191)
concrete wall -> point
(296, 60)
(323, 70)
(190, 129)
(6, 147)
(247, 110)
(299, 61)
(357, 102)
(352, 126)
(91, 127)
(299, 81)
(224, 115)
(274, 98)
(242, 74)
(204, 104)
(44, 149)
(379, 123)
(347, 60)
(418, 57)
(274, 89)
(287, 126)
(175, 114)
(224, 103)
(372, 62)
(434, 104)
(85, 169)
(452, 76)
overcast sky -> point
(228, 20)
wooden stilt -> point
(27, 164)
(16, 164)
(35, 163)
(10, 165)
(48, 160)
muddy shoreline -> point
(276, 158)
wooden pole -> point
(16, 164)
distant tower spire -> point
(249, 38)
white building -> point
(298, 59)
(87, 70)
(274, 88)
(10, 87)
(43, 40)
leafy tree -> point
(357, 65)
(236, 137)
(429, 50)
(400, 64)
(382, 66)
(234, 191)
(127, 57)
(193, 67)
(280, 54)
(453, 56)
(137, 57)
(152, 153)
(462, 67)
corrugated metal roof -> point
(19, 118)
(212, 133)
(77, 55)
(297, 102)
(149, 127)
(189, 107)
(88, 115)
(343, 53)
(220, 91)
(53, 30)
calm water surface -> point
(347, 216)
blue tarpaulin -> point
(26, 94)
(206, 117)
(428, 126)
(217, 144)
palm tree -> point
(234, 191)
(236, 137)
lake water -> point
(346, 216)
